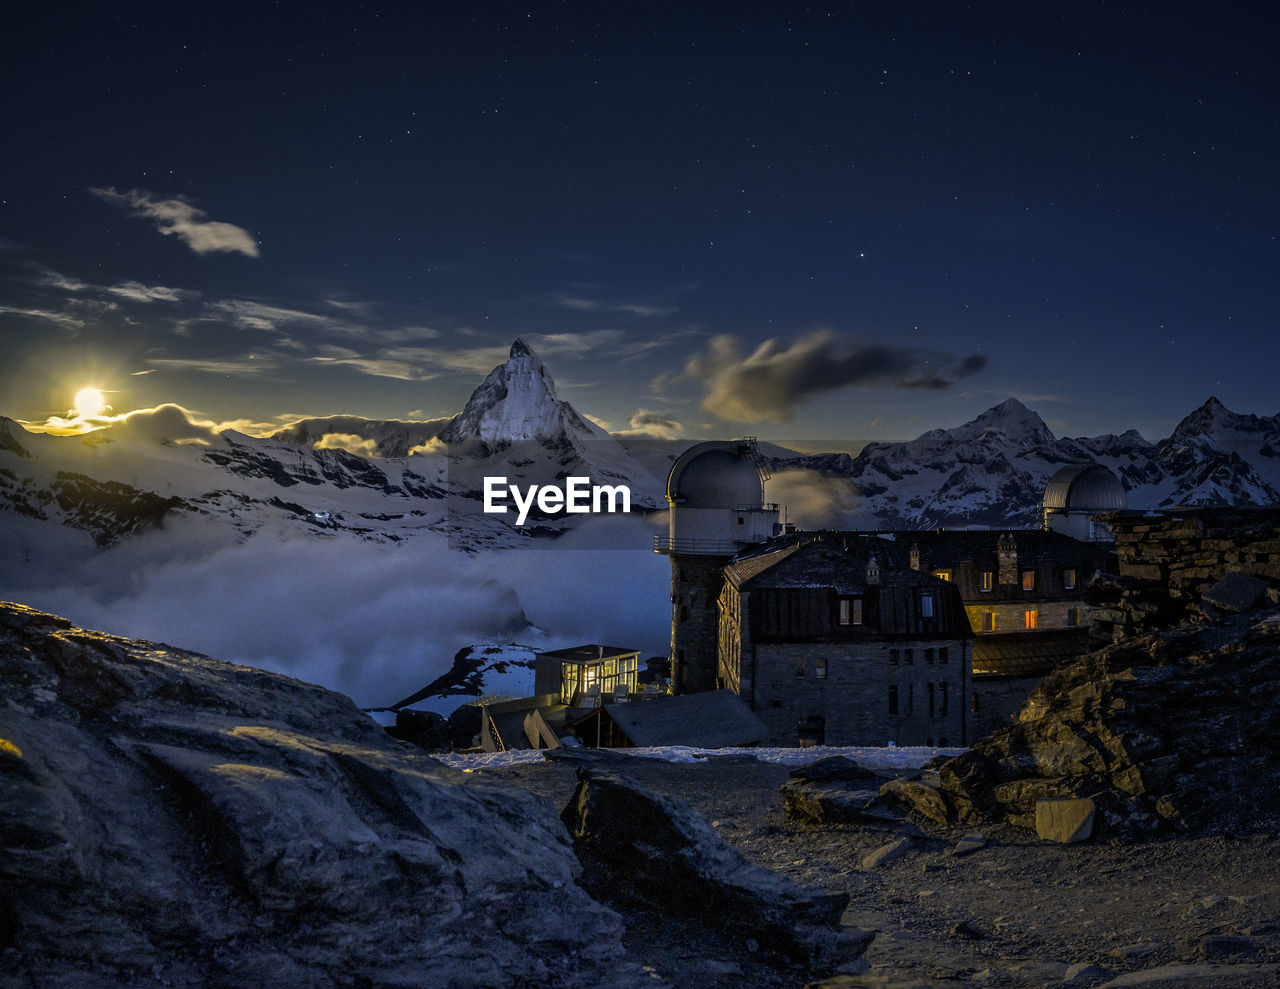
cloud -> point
(137, 292)
(602, 423)
(813, 500)
(163, 422)
(350, 442)
(183, 220)
(768, 385)
(646, 422)
(373, 621)
(580, 304)
(250, 364)
(431, 447)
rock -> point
(161, 811)
(966, 931)
(1242, 976)
(1148, 728)
(1065, 820)
(969, 844)
(836, 768)
(924, 798)
(1082, 972)
(642, 849)
(1236, 592)
(1217, 946)
(834, 790)
(888, 854)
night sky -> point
(840, 222)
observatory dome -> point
(1085, 488)
(716, 475)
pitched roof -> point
(712, 719)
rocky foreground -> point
(169, 819)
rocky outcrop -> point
(642, 849)
(1176, 730)
(166, 818)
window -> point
(850, 611)
(799, 666)
(684, 612)
(1069, 580)
(911, 698)
(926, 605)
(820, 668)
(1028, 580)
(893, 657)
(908, 656)
(1073, 617)
(988, 621)
(987, 580)
(944, 697)
(931, 700)
(942, 654)
(1031, 617)
(928, 655)
(893, 698)
(942, 574)
(741, 520)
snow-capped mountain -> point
(992, 471)
(158, 466)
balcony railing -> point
(710, 547)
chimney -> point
(873, 572)
(915, 556)
(1007, 559)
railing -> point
(717, 547)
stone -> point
(164, 811)
(1065, 820)
(925, 799)
(1217, 946)
(966, 931)
(643, 849)
(888, 854)
(1082, 972)
(1236, 592)
(835, 790)
(967, 845)
(1201, 976)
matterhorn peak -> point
(515, 403)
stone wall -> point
(853, 696)
(1190, 549)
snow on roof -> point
(890, 758)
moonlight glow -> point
(89, 402)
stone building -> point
(831, 638)
(1023, 591)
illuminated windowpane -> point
(1028, 580)
(1031, 618)
(987, 581)
(1069, 580)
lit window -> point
(926, 605)
(987, 581)
(1069, 580)
(820, 668)
(942, 574)
(1028, 580)
(1073, 617)
(988, 621)
(799, 666)
(1031, 618)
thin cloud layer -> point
(184, 221)
(646, 422)
(767, 385)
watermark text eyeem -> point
(578, 497)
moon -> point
(89, 402)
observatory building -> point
(1076, 493)
(716, 496)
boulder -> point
(1065, 820)
(1236, 592)
(642, 849)
(1152, 729)
(834, 790)
(167, 816)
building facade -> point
(827, 643)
